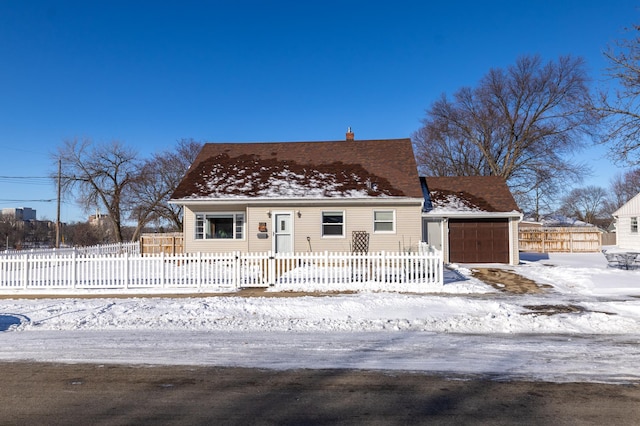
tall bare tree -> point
(585, 204)
(620, 104)
(158, 178)
(100, 176)
(519, 123)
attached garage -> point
(479, 241)
(472, 219)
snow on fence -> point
(213, 272)
(116, 248)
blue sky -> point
(149, 73)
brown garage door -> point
(479, 241)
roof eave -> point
(474, 215)
(298, 201)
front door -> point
(283, 233)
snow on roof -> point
(465, 194)
(248, 176)
(450, 203)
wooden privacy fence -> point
(560, 240)
(167, 243)
(201, 272)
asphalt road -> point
(57, 394)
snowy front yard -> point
(468, 328)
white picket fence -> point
(204, 272)
(115, 248)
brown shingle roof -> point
(487, 193)
(369, 168)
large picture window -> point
(384, 221)
(215, 226)
(333, 224)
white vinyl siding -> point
(307, 223)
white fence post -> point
(126, 270)
(25, 272)
(237, 262)
(271, 268)
(163, 275)
(199, 270)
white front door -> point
(283, 233)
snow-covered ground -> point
(466, 327)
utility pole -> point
(58, 208)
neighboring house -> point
(472, 219)
(627, 236)
(302, 196)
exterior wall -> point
(514, 244)
(406, 236)
(626, 239)
(514, 251)
(307, 228)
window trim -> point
(633, 222)
(200, 225)
(322, 224)
(392, 221)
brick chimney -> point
(350, 134)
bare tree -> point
(158, 178)
(620, 106)
(623, 187)
(12, 235)
(585, 204)
(519, 123)
(101, 175)
(84, 234)
(543, 196)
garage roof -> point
(467, 194)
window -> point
(333, 224)
(384, 221)
(216, 226)
(634, 224)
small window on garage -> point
(333, 224)
(384, 221)
(634, 224)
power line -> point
(25, 177)
(26, 180)
(27, 201)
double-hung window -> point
(333, 224)
(384, 221)
(634, 224)
(214, 226)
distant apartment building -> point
(21, 229)
(20, 213)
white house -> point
(302, 197)
(627, 236)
